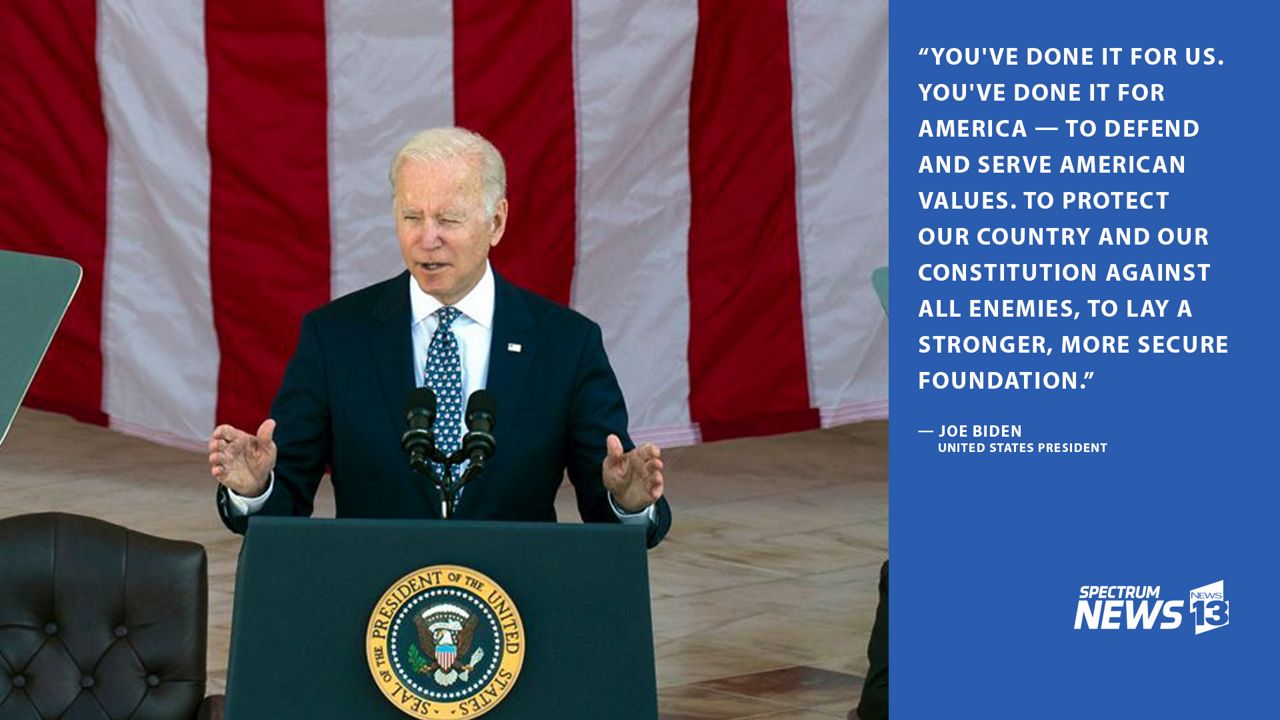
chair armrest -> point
(211, 708)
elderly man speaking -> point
(449, 322)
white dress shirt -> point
(474, 330)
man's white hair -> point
(447, 143)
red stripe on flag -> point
(513, 80)
(53, 180)
(747, 370)
(269, 205)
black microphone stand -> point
(419, 442)
(421, 463)
(449, 491)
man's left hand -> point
(634, 478)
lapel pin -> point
(514, 347)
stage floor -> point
(763, 593)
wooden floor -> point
(763, 593)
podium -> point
(323, 606)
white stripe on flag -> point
(633, 66)
(390, 74)
(839, 59)
(160, 353)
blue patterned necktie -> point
(444, 376)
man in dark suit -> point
(450, 323)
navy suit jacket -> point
(341, 405)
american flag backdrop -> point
(707, 180)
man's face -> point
(444, 232)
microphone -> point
(478, 444)
(419, 415)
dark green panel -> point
(34, 293)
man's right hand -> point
(243, 462)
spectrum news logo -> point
(1140, 607)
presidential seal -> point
(445, 642)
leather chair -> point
(100, 622)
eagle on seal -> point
(448, 631)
